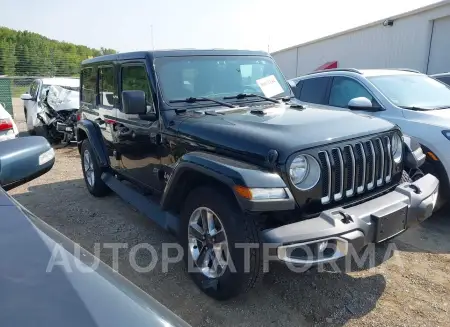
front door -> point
(31, 106)
(343, 89)
(138, 140)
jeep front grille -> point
(353, 169)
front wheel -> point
(92, 171)
(222, 248)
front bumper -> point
(329, 236)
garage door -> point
(440, 47)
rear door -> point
(98, 100)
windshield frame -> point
(388, 91)
(287, 91)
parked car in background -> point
(417, 103)
(8, 128)
(35, 292)
(230, 160)
(50, 108)
(444, 78)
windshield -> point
(418, 91)
(216, 77)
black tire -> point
(49, 135)
(98, 187)
(239, 228)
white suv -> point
(417, 103)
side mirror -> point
(361, 103)
(133, 102)
(292, 85)
(24, 159)
(26, 97)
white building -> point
(419, 39)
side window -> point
(43, 91)
(106, 87)
(343, 89)
(89, 85)
(445, 79)
(135, 78)
(314, 90)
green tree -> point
(30, 54)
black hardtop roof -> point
(173, 53)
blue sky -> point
(244, 24)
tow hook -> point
(346, 218)
(415, 188)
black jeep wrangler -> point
(211, 145)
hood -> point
(438, 117)
(282, 128)
(60, 98)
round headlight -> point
(304, 172)
(397, 148)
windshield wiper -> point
(249, 95)
(424, 109)
(193, 100)
(414, 108)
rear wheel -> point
(212, 227)
(92, 171)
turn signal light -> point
(260, 193)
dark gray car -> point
(32, 295)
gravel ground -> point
(410, 287)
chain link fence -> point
(11, 88)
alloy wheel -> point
(89, 168)
(207, 241)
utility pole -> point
(151, 31)
(268, 44)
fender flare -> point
(414, 154)
(94, 135)
(230, 173)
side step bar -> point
(147, 207)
